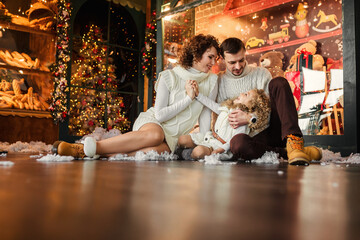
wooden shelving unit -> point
(28, 29)
(27, 71)
(25, 124)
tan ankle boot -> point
(55, 146)
(295, 151)
(71, 149)
(313, 152)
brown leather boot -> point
(71, 149)
(55, 146)
(313, 152)
(295, 151)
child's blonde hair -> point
(260, 106)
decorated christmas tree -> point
(94, 101)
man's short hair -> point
(231, 45)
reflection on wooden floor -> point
(177, 200)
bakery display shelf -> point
(26, 71)
(21, 28)
(25, 113)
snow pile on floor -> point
(214, 159)
(6, 163)
(329, 156)
(141, 156)
(353, 159)
(55, 158)
(101, 133)
(32, 147)
(268, 158)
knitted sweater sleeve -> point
(209, 103)
(205, 116)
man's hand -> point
(238, 118)
(218, 150)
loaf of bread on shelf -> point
(2, 56)
(28, 58)
(16, 99)
(41, 21)
(19, 20)
(9, 59)
(21, 60)
(16, 87)
(37, 63)
(5, 85)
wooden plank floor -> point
(177, 200)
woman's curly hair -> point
(260, 106)
(193, 50)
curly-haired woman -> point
(175, 111)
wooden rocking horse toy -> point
(326, 18)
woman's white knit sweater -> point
(174, 111)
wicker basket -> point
(39, 10)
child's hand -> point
(218, 150)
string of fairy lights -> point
(149, 51)
(58, 106)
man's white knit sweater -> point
(231, 86)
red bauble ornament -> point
(63, 115)
(91, 123)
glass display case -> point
(27, 52)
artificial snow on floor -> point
(214, 159)
(141, 156)
(267, 158)
(353, 159)
(6, 163)
(100, 134)
(55, 158)
(24, 147)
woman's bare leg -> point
(200, 152)
(149, 135)
(185, 141)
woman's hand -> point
(196, 87)
(218, 150)
(190, 89)
(238, 118)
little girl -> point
(255, 102)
